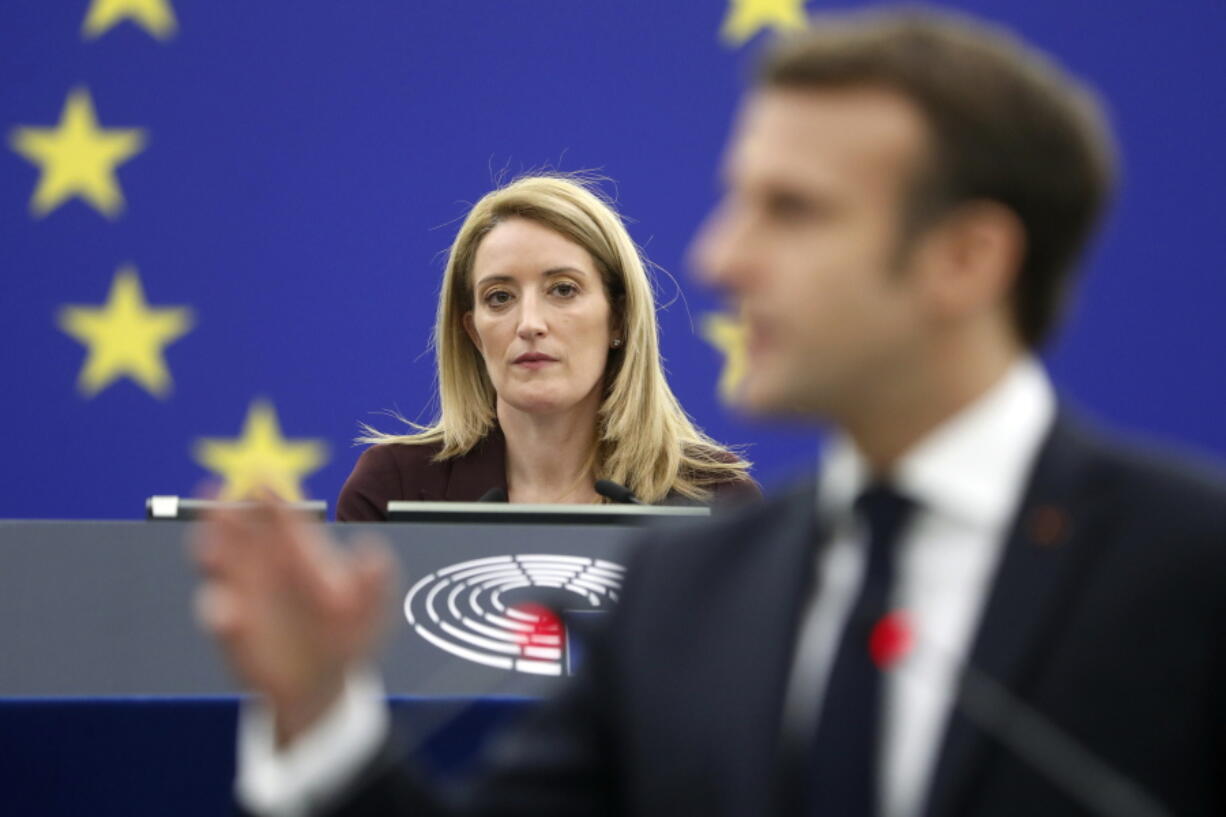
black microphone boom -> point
(1050, 750)
(617, 492)
(993, 708)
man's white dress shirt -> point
(966, 478)
(297, 780)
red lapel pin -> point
(1048, 526)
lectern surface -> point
(91, 608)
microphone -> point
(1023, 730)
(617, 492)
(495, 494)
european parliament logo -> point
(489, 611)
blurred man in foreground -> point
(906, 195)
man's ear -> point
(971, 260)
(471, 329)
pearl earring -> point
(617, 342)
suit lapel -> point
(781, 572)
(1057, 529)
(731, 647)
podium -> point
(113, 702)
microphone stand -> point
(1026, 732)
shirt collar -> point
(973, 467)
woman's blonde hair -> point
(644, 439)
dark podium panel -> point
(113, 702)
(174, 757)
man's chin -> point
(758, 397)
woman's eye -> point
(564, 289)
(498, 297)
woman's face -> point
(541, 318)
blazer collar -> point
(972, 468)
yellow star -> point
(746, 18)
(155, 16)
(77, 157)
(125, 337)
(261, 458)
(727, 334)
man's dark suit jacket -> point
(1108, 615)
(409, 472)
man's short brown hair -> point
(1007, 125)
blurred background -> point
(223, 223)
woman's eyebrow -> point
(549, 273)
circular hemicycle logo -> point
(487, 610)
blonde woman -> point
(549, 371)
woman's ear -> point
(617, 322)
(471, 329)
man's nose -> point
(722, 250)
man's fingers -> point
(204, 551)
(373, 570)
(372, 556)
(232, 528)
(229, 548)
(217, 609)
(276, 584)
(304, 551)
(219, 544)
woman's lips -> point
(534, 361)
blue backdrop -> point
(222, 222)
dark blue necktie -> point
(844, 770)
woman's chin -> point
(540, 403)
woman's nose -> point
(531, 319)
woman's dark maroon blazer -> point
(406, 472)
